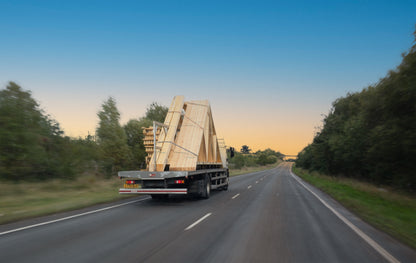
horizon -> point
(270, 70)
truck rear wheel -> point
(225, 187)
(207, 188)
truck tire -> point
(227, 180)
(225, 187)
(206, 192)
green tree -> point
(245, 149)
(238, 161)
(267, 156)
(134, 132)
(156, 112)
(112, 139)
(371, 134)
(264, 158)
(30, 141)
(135, 136)
(20, 124)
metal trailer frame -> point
(157, 183)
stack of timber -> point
(148, 142)
(188, 141)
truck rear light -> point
(130, 182)
(179, 181)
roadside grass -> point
(26, 200)
(253, 169)
(386, 209)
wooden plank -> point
(223, 152)
(207, 139)
(190, 137)
(166, 140)
(212, 138)
(202, 157)
(214, 148)
(172, 118)
(218, 154)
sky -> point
(270, 69)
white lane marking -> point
(257, 182)
(248, 187)
(366, 238)
(70, 217)
(198, 221)
(235, 196)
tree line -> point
(371, 135)
(34, 147)
(245, 158)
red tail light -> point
(130, 182)
(179, 181)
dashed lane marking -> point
(198, 221)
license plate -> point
(131, 185)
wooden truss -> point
(186, 141)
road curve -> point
(268, 216)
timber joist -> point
(148, 141)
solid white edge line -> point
(70, 217)
(198, 221)
(364, 236)
(235, 196)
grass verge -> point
(390, 211)
(26, 200)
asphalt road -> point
(268, 216)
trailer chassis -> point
(157, 184)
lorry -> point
(185, 157)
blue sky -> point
(274, 62)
